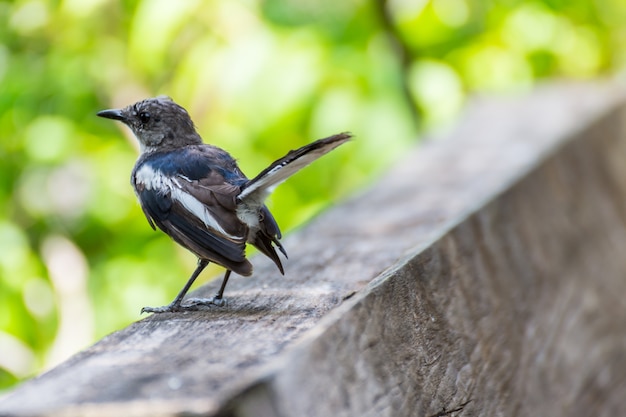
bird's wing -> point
(187, 196)
(257, 188)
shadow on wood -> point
(483, 276)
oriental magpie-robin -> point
(196, 193)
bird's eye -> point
(144, 117)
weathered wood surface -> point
(485, 275)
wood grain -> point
(483, 275)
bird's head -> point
(158, 123)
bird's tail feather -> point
(281, 169)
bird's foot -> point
(170, 308)
(215, 301)
(191, 304)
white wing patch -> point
(151, 179)
(155, 180)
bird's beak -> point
(114, 114)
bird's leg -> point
(220, 293)
(176, 305)
(217, 300)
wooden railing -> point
(484, 275)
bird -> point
(197, 194)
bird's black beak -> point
(114, 114)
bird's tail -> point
(260, 186)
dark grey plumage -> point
(196, 193)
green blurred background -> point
(77, 258)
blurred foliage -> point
(77, 258)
